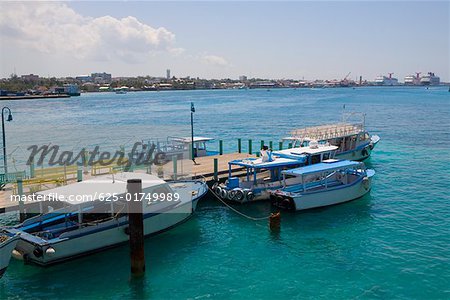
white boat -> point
(328, 183)
(7, 244)
(386, 80)
(121, 90)
(262, 176)
(351, 138)
(82, 227)
(430, 79)
(412, 79)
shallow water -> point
(392, 243)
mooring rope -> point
(236, 211)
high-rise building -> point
(168, 73)
(243, 78)
(101, 77)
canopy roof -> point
(324, 132)
(326, 165)
(292, 152)
(258, 164)
(189, 139)
(94, 189)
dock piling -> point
(275, 221)
(239, 146)
(220, 147)
(79, 175)
(21, 204)
(85, 161)
(271, 145)
(249, 146)
(262, 144)
(216, 169)
(280, 146)
(32, 168)
(175, 165)
(136, 228)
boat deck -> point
(324, 132)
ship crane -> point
(344, 82)
(346, 76)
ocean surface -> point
(394, 243)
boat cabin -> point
(200, 145)
(264, 173)
(309, 154)
(329, 173)
(96, 201)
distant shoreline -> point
(33, 97)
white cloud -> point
(215, 60)
(55, 28)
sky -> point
(212, 39)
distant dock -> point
(33, 97)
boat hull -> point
(6, 249)
(97, 238)
(357, 154)
(361, 152)
(332, 196)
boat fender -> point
(364, 152)
(291, 204)
(223, 194)
(239, 195)
(218, 190)
(26, 258)
(231, 195)
(127, 230)
(38, 252)
(366, 183)
(17, 255)
(279, 200)
(250, 196)
(215, 185)
(287, 204)
(371, 145)
(50, 251)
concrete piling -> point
(220, 147)
(249, 146)
(239, 145)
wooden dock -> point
(205, 165)
(204, 168)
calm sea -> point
(393, 243)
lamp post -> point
(10, 118)
(192, 131)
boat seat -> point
(56, 230)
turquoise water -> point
(393, 243)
